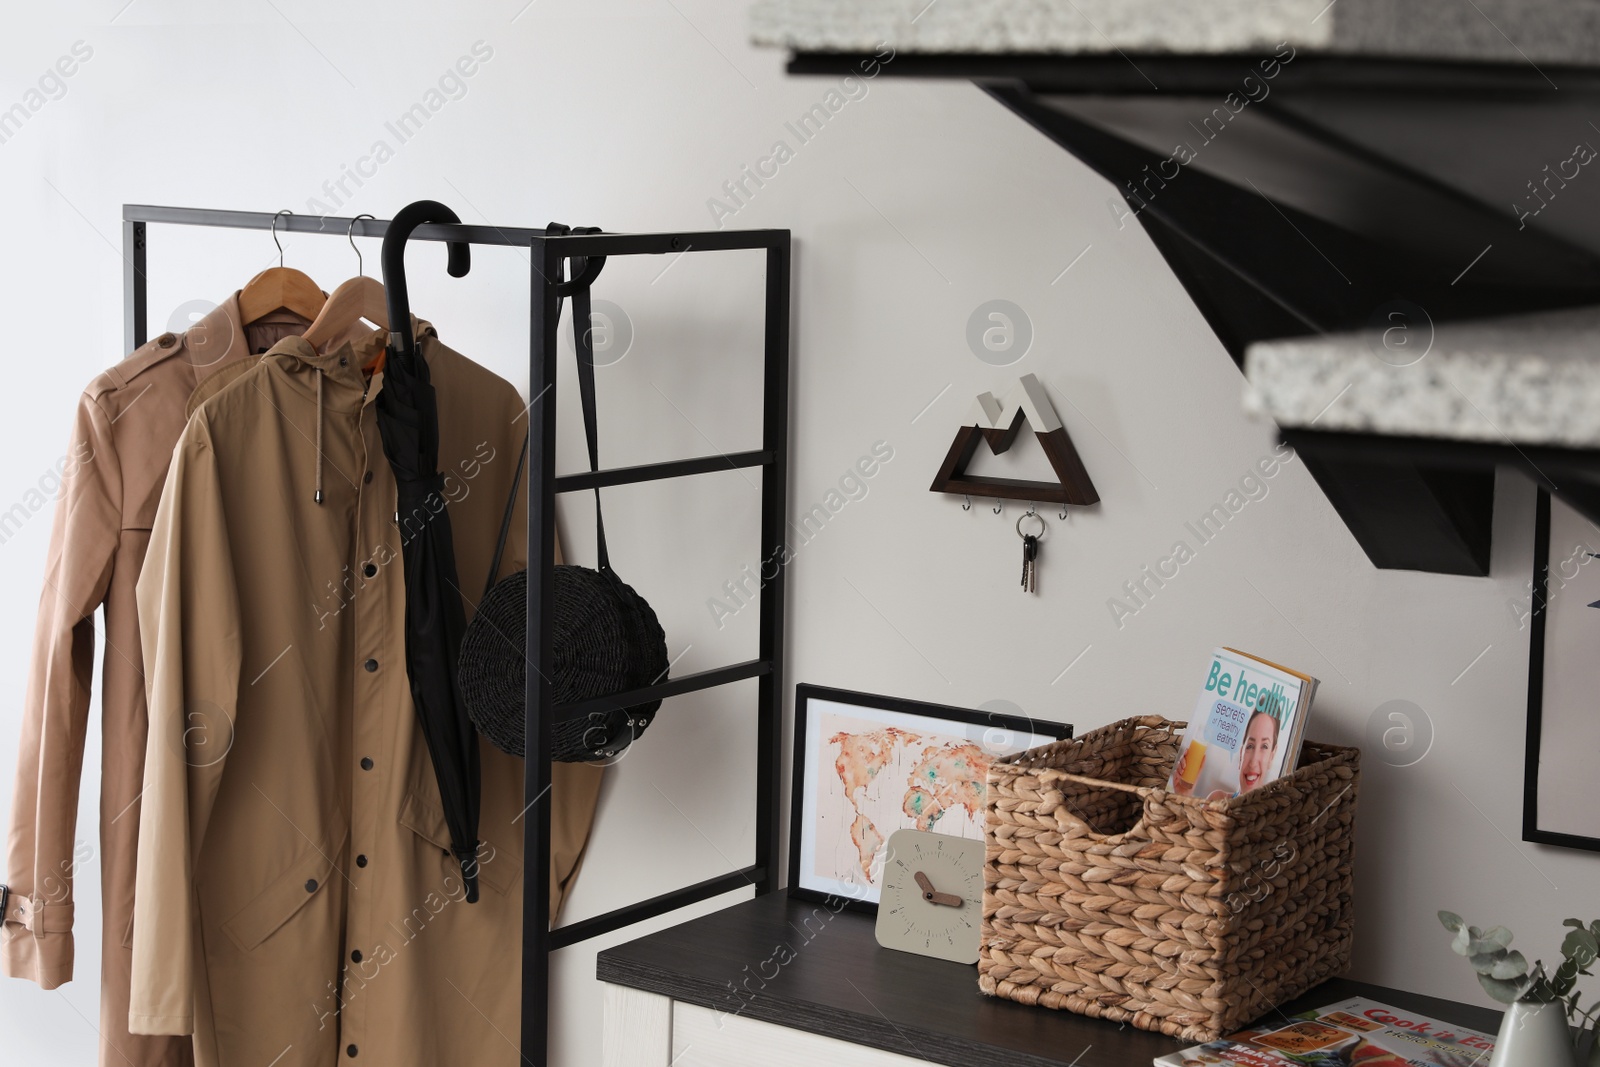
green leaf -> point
(1564, 922)
(1563, 982)
(1462, 945)
(1498, 936)
(1581, 946)
(1481, 947)
(1506, 992)
(1454, 922)
(1484, 962)
(1512, 966)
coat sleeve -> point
(189, 617)
(37, 943)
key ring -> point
(1037, 518)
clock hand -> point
(932, 895)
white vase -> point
(1534, 1035)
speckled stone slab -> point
(1528, 379)
(1509, 31)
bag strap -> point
(505, 522)
(583, 344)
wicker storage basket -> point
(1106, 895)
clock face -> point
(932, 901)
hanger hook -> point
(998, 508)
(275, 240)
(350, 235)
(968, 505)
(1063, 511)
(1032, 508)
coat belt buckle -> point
(5, 901)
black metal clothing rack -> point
(548, 254)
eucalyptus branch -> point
(1507, 976)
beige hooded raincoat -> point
(296, 904)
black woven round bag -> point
(607, 640)
(606, 637)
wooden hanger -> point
(280, 287)
(359, 298)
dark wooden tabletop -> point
(799, 965)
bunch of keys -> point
(1030, 551)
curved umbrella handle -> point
(407, 219)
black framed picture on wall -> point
(866, 766)
(1561, 792)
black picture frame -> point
(1531, 831)
(805, 693)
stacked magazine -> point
(1355, 1033)
(1246, 728)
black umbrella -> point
(408, 420)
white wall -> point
(915, 204)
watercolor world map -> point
(877, 779)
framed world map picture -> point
(866, 766)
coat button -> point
(356, 955)
(166, 340)
(361, 860)
(311, 885)
(366, 763)
(371, 665)
(370, 569)
(351, 1050)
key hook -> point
(998, 508)
(968, 505)
(1063, 511)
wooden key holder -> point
(998, 423)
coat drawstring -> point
(318, 496)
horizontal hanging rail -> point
(519, 236)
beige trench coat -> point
(128, 420)
(296, 905)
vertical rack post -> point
(543, 320)
(774, 554)
(135, 297)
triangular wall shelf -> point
(999, 423)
